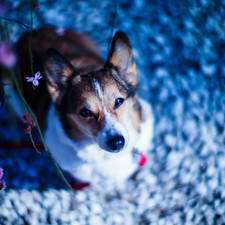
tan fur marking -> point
(132, 78)
(88, 126)
(115, 60)
(125, 114)
(67, 72)
(80, 128)
(122, 58)
(53, 92)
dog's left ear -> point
(121, 57)
(58, 71)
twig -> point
(12, 73)
(35, 119)
(17, 21)
(39, 130)
(30, 39)
(31, 138)
(114, 15)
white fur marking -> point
(98, 89)
(112, 126)
(144, 143)
(101, 96)
(85, 160)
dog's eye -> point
(118, 102)
(86, 113)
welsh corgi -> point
(93, 120)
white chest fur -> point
(86, 161)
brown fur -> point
(78, 49)
(68, 80)
(92, 126)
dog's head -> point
(100, 105)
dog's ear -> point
(57, 70)
(121, 57)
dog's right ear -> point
(57, 70)
(121, 57)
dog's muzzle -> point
(113, 138)
(116, 143)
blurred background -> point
(179, 50)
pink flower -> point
(2, 184)
(27, 130)
(37, 76)
(27, 117)
(1, 173)
(8, 57)
(60, 31)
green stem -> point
(114, 15)
(30, 40)
(31, 138)
(39, 130)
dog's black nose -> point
(116, 143)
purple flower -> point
(1, 173)
(37, 76)
(2, 184)
(8, 57)
(60, 31)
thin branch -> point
(12, 73)
(31, 138)
(30, 40)
(17, 21)
(114, 15)
(39, 129)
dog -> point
(95, 124)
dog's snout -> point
(116, 143)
